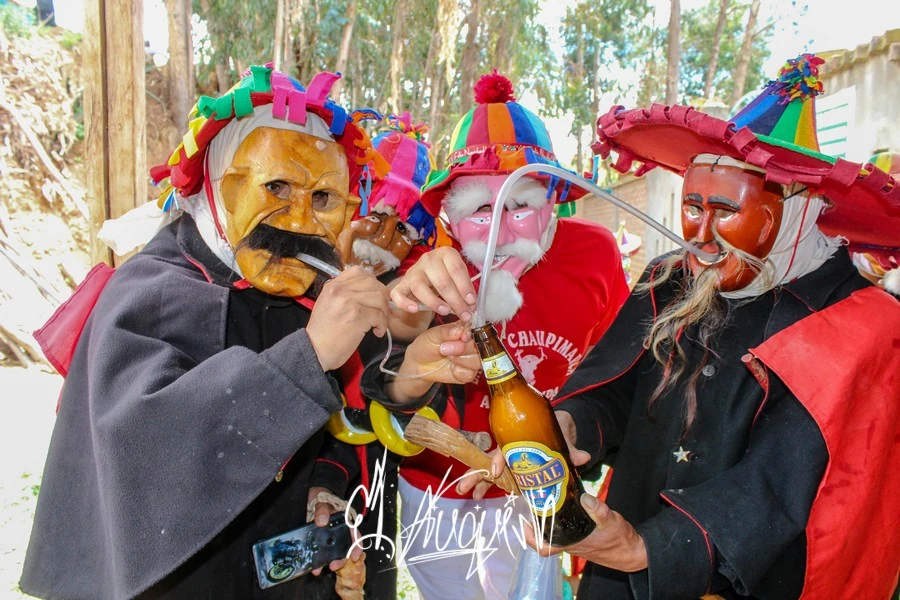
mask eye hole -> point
(479, 219)
(278, 188)
(522, 214)
(325, 201)
(693, 210)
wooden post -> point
(114, 112)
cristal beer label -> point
(498, 368)
(541, 474)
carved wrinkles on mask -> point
(291, 181)
(379, 241)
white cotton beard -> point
(503, 297)
(219, 155)
(374, 255)
(798, 230)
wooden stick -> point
(447, 441)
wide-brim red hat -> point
(775, 132)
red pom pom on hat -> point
(493, 88)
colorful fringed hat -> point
(775, 132)
(403, 145)
(290, 100)
(498, 136)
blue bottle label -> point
(541, 474)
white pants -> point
(459, 549)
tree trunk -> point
(740, 70)
(595, 97)
(469, 61)
(398, 35)
(344, 52)
(714, 57)
(181, 62)
(673, 52)
(279, 34)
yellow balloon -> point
(388, 429)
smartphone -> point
(296, 553)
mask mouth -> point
(284, 246)
(374, 257)
(720, 252)
(528, 251)
(721, 256)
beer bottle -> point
(533, 445)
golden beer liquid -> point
(533, 445)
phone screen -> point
(296, 553)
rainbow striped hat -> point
(498, 136)
(775, 132)
(784, 114)
(291, 101)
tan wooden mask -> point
(291, 181)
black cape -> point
(162, 467)
(724, 509)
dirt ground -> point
(28, 409)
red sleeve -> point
(617, 290)
(414, 255)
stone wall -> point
(868, 79)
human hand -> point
(567, 424)
(614, 543)
(442, 354)
(349, 306)
(323, 511)
(440, 281)
(477, 480)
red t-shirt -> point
(570, 298)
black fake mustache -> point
(282, 244)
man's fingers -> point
(481, 488)
(444, 284)
(578, 457)
(323, 514)
(356, 552)
(337, 564)
(597, 510)
(426, 295)
(469, 480)
(403, 298)
(457, 270)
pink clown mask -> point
(524, 233)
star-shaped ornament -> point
(682, 455)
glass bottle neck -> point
(499, 369)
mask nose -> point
(385, 233)
(705, 233)
(505, 235)
(301, 218)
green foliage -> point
(698, 34)
(16, 21)
(69, 39)
(603, 47)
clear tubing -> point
(478, 318)
(319, 264)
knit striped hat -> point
(498, 136)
